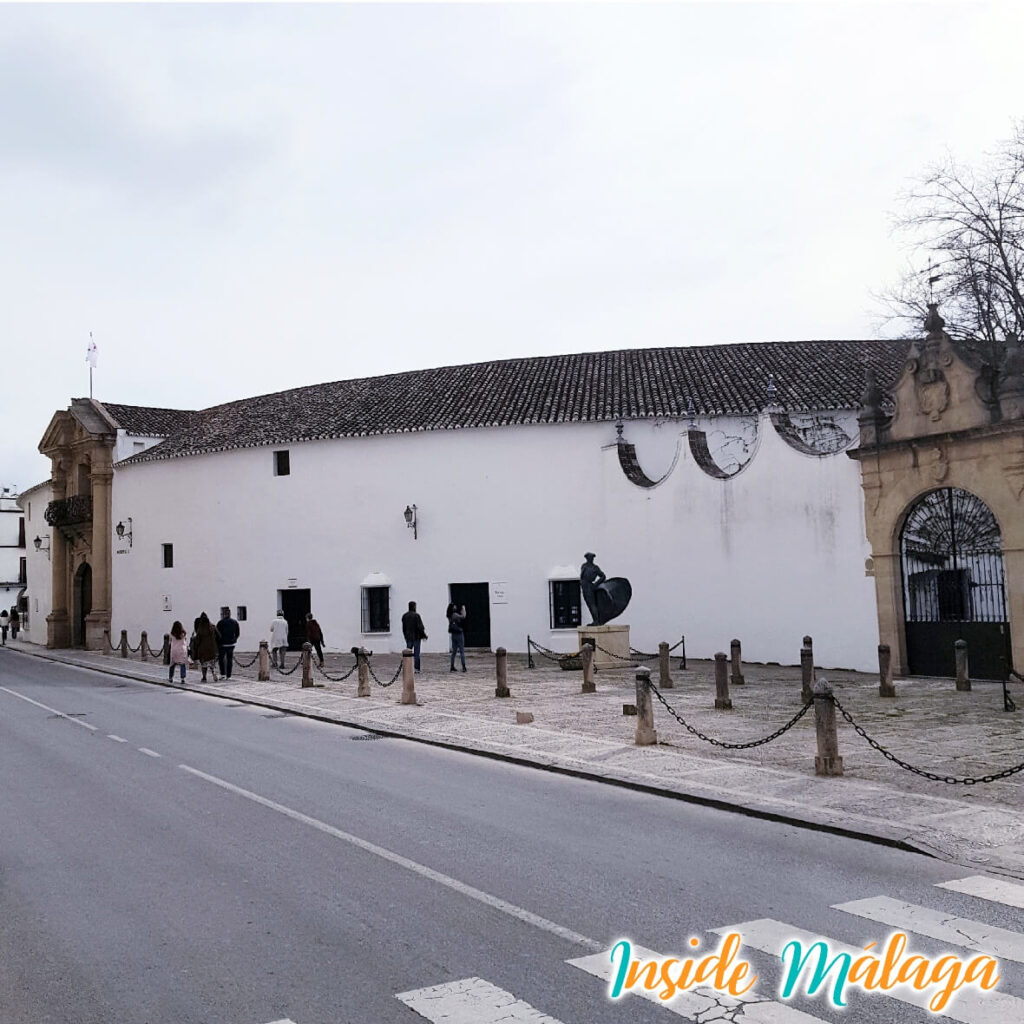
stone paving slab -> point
(928, 724)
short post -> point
(828, 761)
(264, 662)
(587, 659)
(885, 683)
(144, 645)
(107, 645)
(682, 657)
(362, 660)
(501, 670)
(408, 679)
(664, 679)
(722, 701)
(963, 681)
(737, 664)
(124, 643)
(806, 671)
(645, 734)
(307, 665)
(167, 648)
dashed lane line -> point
(148, 752)
(116, 739)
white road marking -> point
(283, 1020)
(116, 739)
(421, 869)
(995, 889)
(937, 924)
(472, 1001)
(968, 1006)
(153, 753)
(704, 1004)
(45, 707)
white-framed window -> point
(376, 609)
(564, 601)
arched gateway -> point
(951, 556)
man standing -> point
(227, 636)
(413, 631)
(457, 622)
(590, 578)
(278, 639)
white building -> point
(12, 551)
(36, 603)
(714, 478)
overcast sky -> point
(241, 199)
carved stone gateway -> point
(942, 469)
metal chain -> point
(336, 679)
(245, 664)
(297, 664)
(546, 652)
(135, 650)
(721, 743)
(155, 654)
(110, 642)
(644, 654)
(952, 780)
(398, 672)
(612, 654)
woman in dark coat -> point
(206, 646)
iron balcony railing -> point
(70, 511)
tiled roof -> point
(144, 421)
(585, 387)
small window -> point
(282, 464)
(565, 603)
(21, 531)
(138, 445)
(240, 613)
(23, 571)
(168, 555)
(376, 617)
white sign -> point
(498, 595)
(167, 602)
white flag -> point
(90, 352)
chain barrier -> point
(236, 660)
(951, 780)
(152, 653)
(721, 743)
(398, 672)
(644, 654)
(335, 679)
(110, 642)
(612, 654)
(298, 664)
(546, 652)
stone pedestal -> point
(611, 645)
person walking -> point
(455, 627)
(4, 623)
(278, 639)
(227, 636)
(315, 636)
(206, 652)
(15, 623)
(414, 633)
(179, 651)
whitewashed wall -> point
(40, 578)
(772, 554)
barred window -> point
(564, 600)
(376, 609)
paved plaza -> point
(928, 725)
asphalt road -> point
(170, 858)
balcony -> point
(72, 516)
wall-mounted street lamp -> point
(122, 531)
(42, 544)
(410, 519)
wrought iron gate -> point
(952, 557)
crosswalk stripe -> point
(994, 889)
(702, 1004)
(472, 1001)
(937, 924)
(969, 1006)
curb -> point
(878, 838)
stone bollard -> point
(664, 679)
(363, 661)
(167, 648)
(806, 671)
(144, 645)
(408, 679)
(722, 701)
(307, 665)
(263, 674)
(885, 683)
(501, 670)
(587, 658)
(645, 734)
(963, 681)
(828, 761)
(737, 664)
(124, 643)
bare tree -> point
(969, 226)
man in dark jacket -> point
(413, 631)
(315, 636)
(227, 637)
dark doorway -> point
(83, 602)
(953, 586)
(295, 605)
(477, 599)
